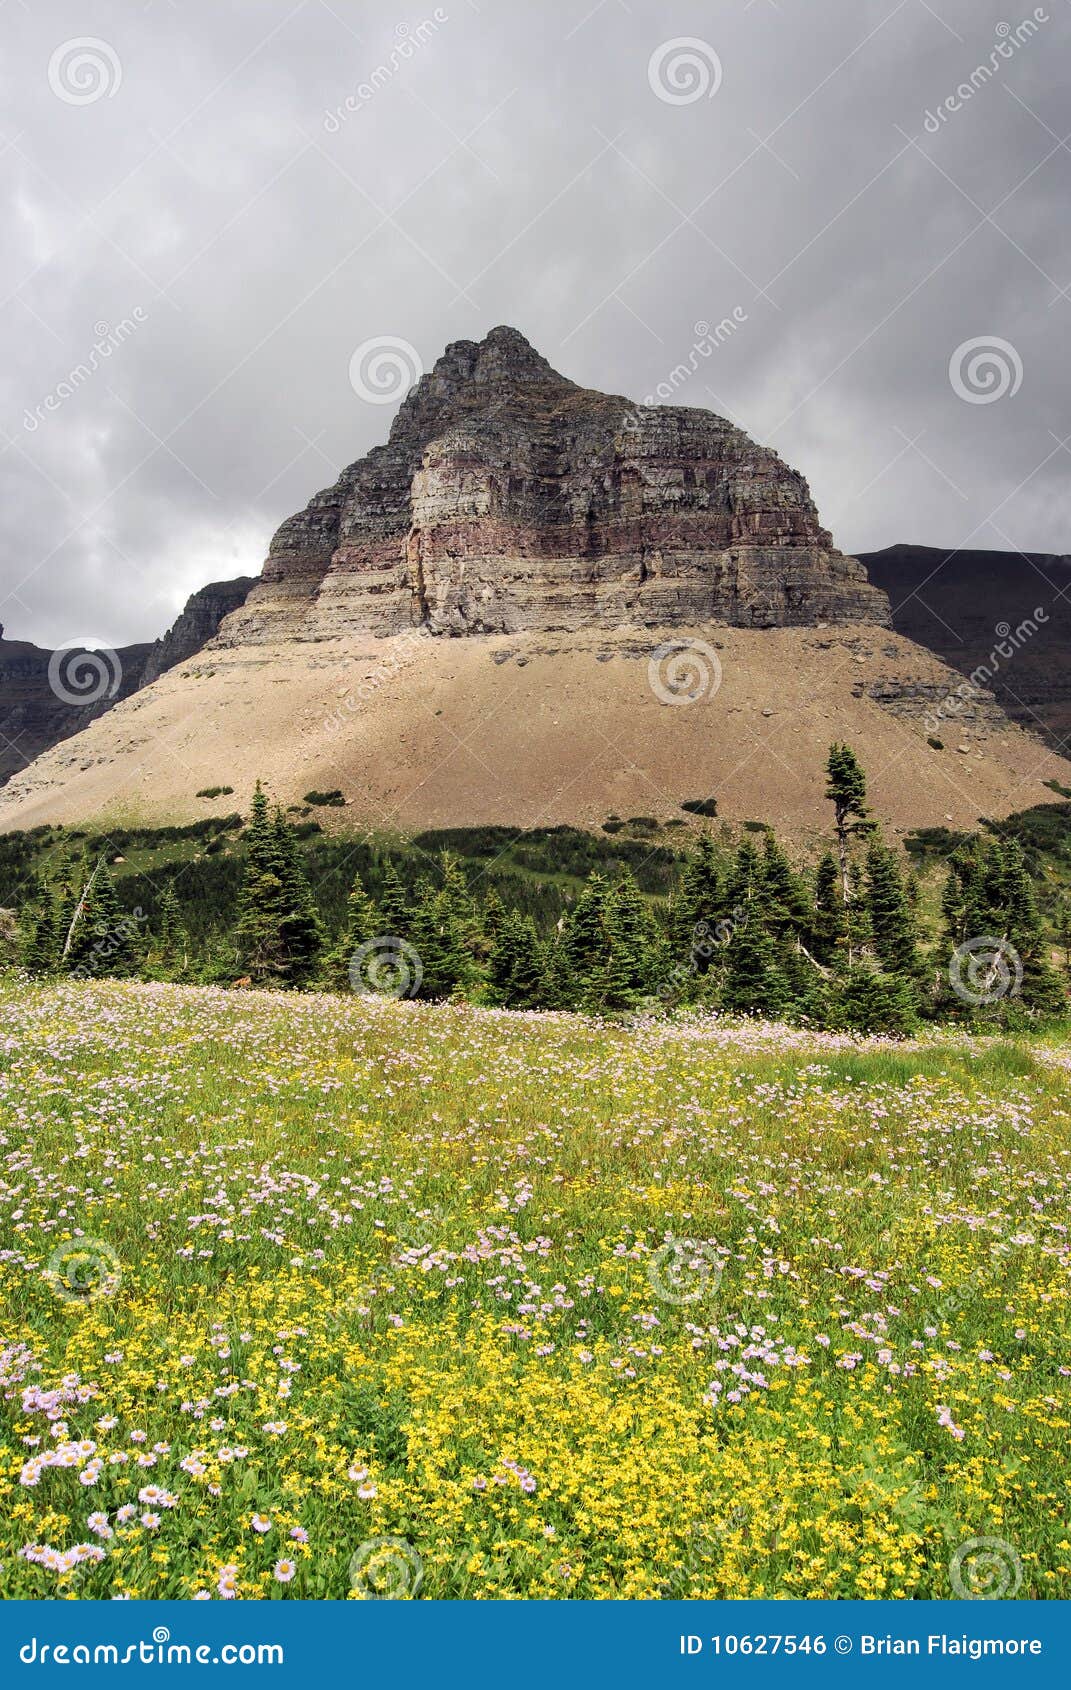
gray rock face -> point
(35, 713)
(508, 499)
(38, 710)
(198, 623)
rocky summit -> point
(508, 499)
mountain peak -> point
(478, 378)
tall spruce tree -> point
(846, 788)
(361, 924)
(279, 937)
(828, 929)
(892, 926)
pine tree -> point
(1041, 988)
(892, 929)
(169, 947)
(847, 790)
(361, 924)
(440, 933)
(515, 969)
(394, 909)
(279, 937)
(1063, 931)
(788, 911)
(38, 935)
(301, 929)
(827, 921)
(697, 908)
(870, 1001)
(103, 939)
(627, 956)
(755, 981)
(583, 939)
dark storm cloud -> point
(208, 208)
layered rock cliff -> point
(508, 499)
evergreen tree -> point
(583, 939)
(828, 928)
(169, 946)
(697, 908)
(279, 937)
(38, 935)
(103, 937)
(871, 1001)
(892, 928)
(755, 983)
(301, 929)
(628, 950)
(440, 933)
(361, 924)
(846, 789)
(787, 906)
(393, 904)
(515, 969)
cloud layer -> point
(208, 208)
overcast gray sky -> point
(192, 180)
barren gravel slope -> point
(540, 729)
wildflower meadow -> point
(354, 1297)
